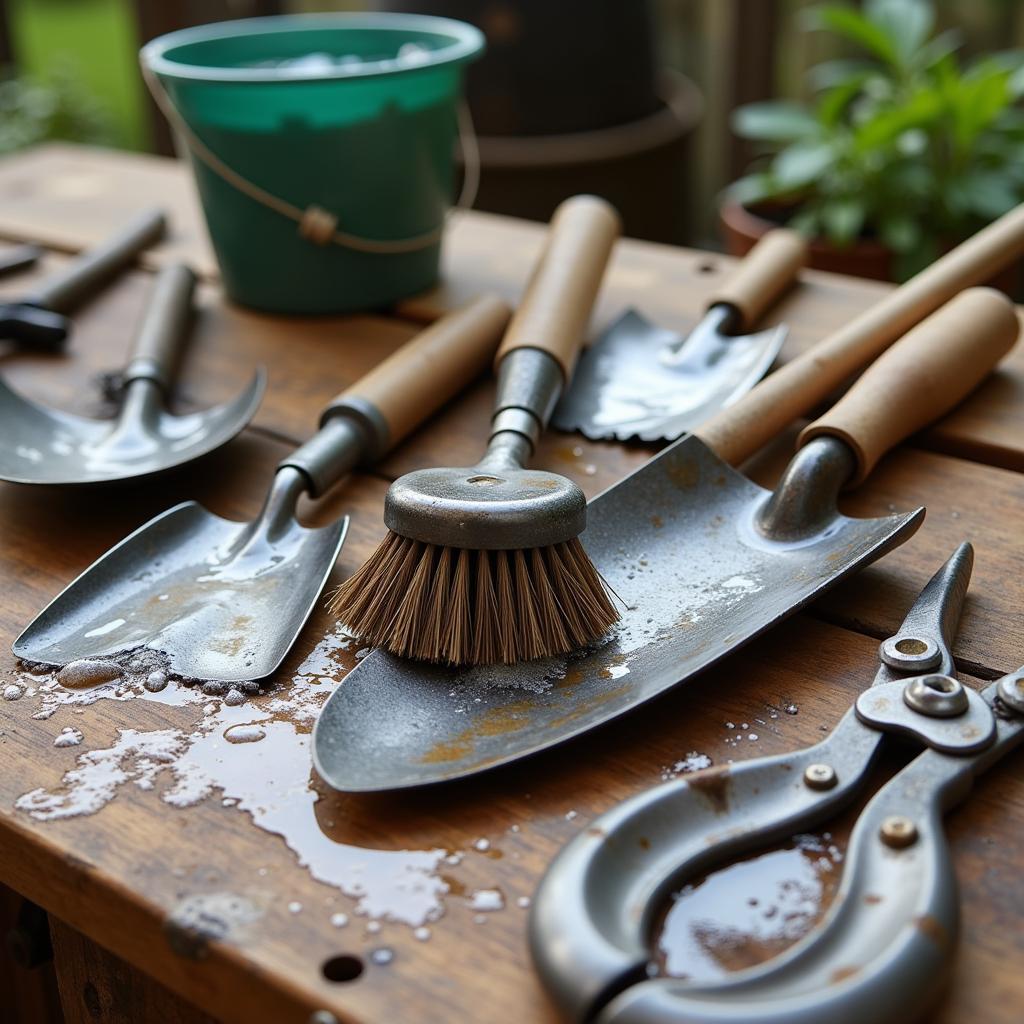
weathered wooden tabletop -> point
(225, 871)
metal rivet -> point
(935, 695)
(1011, 692)
(898, 832)
(820, 776)
(910, 653)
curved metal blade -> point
(640, 381)
(220, 599)
(46, 446)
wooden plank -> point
(97, 986)
(67, 197)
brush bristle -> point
(458, 607)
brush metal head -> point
(486, 508)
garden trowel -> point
(639, 380)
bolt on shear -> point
(881, 949)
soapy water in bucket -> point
(409, 55)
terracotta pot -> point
(741, 228)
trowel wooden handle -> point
(796, 388)
(927, 372)
(88, 272)
(762, 276)
(436, 365)
(559, 297)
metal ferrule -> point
(336, 449)
(530, 383)
(804, 501)
(144, 368)
(371, 423)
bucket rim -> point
(468, 43)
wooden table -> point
(218, 871)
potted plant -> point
(903, 153)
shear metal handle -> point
(878, 954)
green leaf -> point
(942, 46)
(801, 164)
(986, 193)
(906, 24)
(832, 73)
(753, 189)
(773, 122)
(834, 103)
(852, 25)
(899, 233)
(843, 219)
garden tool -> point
(483, 563)
(703, 559)
(225, 600)
(47, 446)
(21, 257)
(40, 320)
(639, 380)
(883, 948)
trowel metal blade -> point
(223, 600)
(39, 445)
(638, 380)
(676, 540)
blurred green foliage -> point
(901, 143)
(52, 107)
(87, 48)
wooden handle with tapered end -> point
(762, 276)
(927, 372)
(797, 387)
(559, 297)
(433, 367)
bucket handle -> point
(314, 222)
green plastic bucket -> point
(322, 147)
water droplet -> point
(13, 692)
(156, 681)
(752, 736)
(487, 899)
(791, 709)
(382, 956)
(373, 927)
(244, 733)
(339, 920)
(590, 469)
(571, 815)
(68, 738)
(88, 672)
(523, 902)
(421, 934)
(294, 907)
(483, 845)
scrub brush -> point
(484, 564)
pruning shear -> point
(882, 948)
